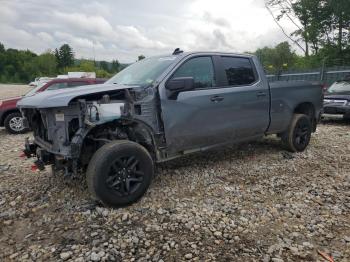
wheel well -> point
(309, 110)
(2, 120)
(134, 131)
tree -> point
(104, 66)
(115, 66)
(320, 24)
(140, 57)
(339, 22)
(278, 58)
(2, 58)
(57, 56)
(297, 12)
(46, 64)
(2, 48)
(84, 66)
(283, 56)
(64, 56)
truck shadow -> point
(233, 152)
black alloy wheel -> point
(119, 173)
(302, 133)
(298, 135)
(125, 176)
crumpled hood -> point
(62, 97)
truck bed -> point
(287, 96)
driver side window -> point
(201, 69)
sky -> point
(124, 29)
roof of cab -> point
(212, 53)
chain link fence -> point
(327, 73)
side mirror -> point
(179, 84)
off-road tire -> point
(8, 125)
(102, 170)
(298, 135)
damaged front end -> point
(67, 136)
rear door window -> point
(239, 70)
(201, 69)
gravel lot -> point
(255, 202)
(10, 90)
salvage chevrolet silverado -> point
(161, 108)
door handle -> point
(216, 98)
(260, 94)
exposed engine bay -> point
(67, 137)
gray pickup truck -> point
(161, 108)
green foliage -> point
(64, 56)
(18, 66)
(116, 66)
(278, 58)
(104, 66)
(2, 48)
(89, 66)
(320, 24)
(46, 64)
(14, 63)
(103, 73)
(84, 66)
(282, 58)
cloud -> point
(21, 39)
(7, 15)
(130, 36)
(219, 21)
(78, 42)
(113, 29)
(90, 24)
(96, 8)
(45, 37)
(97, 27)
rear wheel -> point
(14, 124)
(298, 135)
(120, 173)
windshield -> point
(143, 72)
(339, 87)
(35, 89)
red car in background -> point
(10, 116)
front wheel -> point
(120, 173)
(298, 135)
(14, 124)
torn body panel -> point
(91, 120)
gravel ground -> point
(11, 90)
(255, 202)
